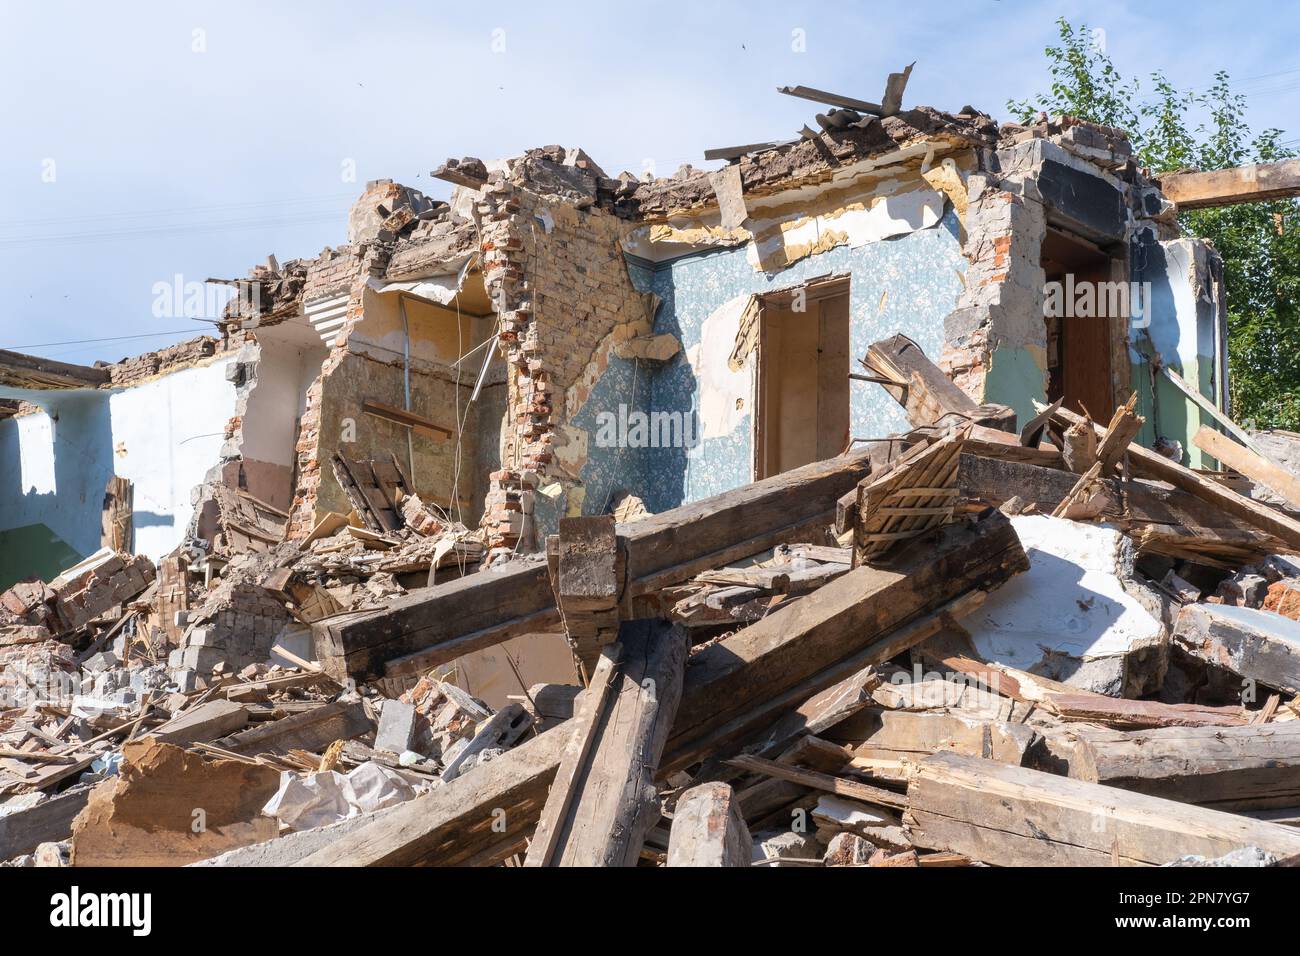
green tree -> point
(1259, 242)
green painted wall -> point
(33, 550)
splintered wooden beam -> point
(1014, 816)
(436, 625)
(1228, 187)
(602, 803)
(708, 829)
(482, 817)
(589, 580)
(1123, 428)
(1148, 464)
(733, 690)
(925, 393)
(1228, 768)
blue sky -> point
(137, 149)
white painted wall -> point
(166, 434)
(284, 373)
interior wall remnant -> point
(803, 382)
(161, 432)
(1086, 311)
(907, 283)
(1182, 333)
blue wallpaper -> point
(907, 284)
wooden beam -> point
(438, 624)
(840, 786)
(708, 829)
(1147, 463)
(732, 691)
(1227, 187)
(1249, 463)
(483, 816)
(1123, 428)
(602, 803)
(1014, 816)
(924, 391)
(1209, 408)
(311, 730)
(582, 733)
(859, 619)
(1228, 768)
(400, 416)
(590, 577)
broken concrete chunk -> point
(1070, 616)
(396, 727)
(1260, 646)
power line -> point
(114, 338)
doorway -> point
(1086, 316)
(803, 376)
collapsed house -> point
(873, 480)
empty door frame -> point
(829, 422)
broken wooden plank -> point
(1249, 463)
(49, 821)
(312, 730)
(1014, 816)
(1120, 433)
(207, 721)
(1140, 714)
(115, 517)
(708, 829)
(924, 391)
(1147, 463)
(582, 734)
(484, 815)
(602, 803)
(1258, 182)
(434, 625)
(1228, 768)
(840, 786)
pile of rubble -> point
(968, 644)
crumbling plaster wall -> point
(1185, 334)
(905, 283)
(272, 382)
